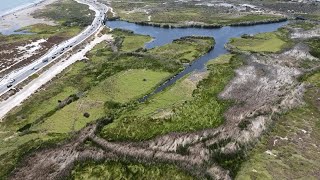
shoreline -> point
(21, 8)
(22, 17)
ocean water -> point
(7, 6)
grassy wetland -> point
(113, 76)
(272, 42)
(251, 114)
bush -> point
(87, 115)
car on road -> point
(9, 85)
(12, 81)
(45, 60)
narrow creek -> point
(164, 36)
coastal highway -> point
(14, 79)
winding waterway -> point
(164, 36)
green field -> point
(265, 42)
(223, 59)
(175, 110)
(130, 41)
(183, 49)
(164, 102)
(120, 88)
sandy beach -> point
(22, 17)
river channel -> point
(162, 36)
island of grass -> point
(271, 42)
(113, 78)
(183, 49)
(130, 41)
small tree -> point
(87, 115)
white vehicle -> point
(12, 81)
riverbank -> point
(23, 17)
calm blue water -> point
(8, 5)
(164, 36)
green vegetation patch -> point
(185, 49)
(304, 25)
(68, 12)
(131, 41)
(120, 88)
(54, 34)
(265, 42)
(161, 105)
(314, 45)
(203, 110)
(223, 59)
(117, 170)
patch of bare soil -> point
(265, 86)
(301, 34)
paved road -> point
(59, 50)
